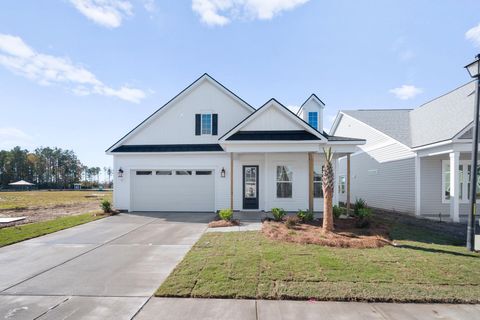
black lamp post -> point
(474, 71)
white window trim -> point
(291, 182)
(201, 123)
(340, 184)
(308, 118)
(320, 182)
(465, 194)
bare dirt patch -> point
(346, 235)
(223, 223)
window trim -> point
(211, 123)
(316, 118)
(278, 181)
(466, 181)
(342, 186)
(318, 182)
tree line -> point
(52, 168)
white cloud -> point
(107, 13)
(293, 108)
(45, 69)
(221, 12)
(474, 35)
(11, 137)
(406, 92)
(149, 5)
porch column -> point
(231, 180)
(348, 183)
(310, 181)
(418, 185)
(454, 186)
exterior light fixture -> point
(222, 173)
(120, 173)
(474, 71)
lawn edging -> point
(15, 234)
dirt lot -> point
(46, 205)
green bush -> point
(338, 211)
(106, 206)
(305, 216)
(359, 204)
(278, 214)
(226, 214)
(291, 222)
(364, 215)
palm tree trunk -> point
(327, 225)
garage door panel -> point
(173, 192)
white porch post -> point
(454, 186)
(231, 181)
(418, 185)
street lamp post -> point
(474, 71)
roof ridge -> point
(443, 95)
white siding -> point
(272, 119)
(312, 106)
(176, 125)
(382, 173)
(431, 187)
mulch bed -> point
(223, 223)
(345, 235)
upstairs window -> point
(206, 123)
(313, 119)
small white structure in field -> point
(22, 184)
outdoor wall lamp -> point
(222, 173)
(120, 173)
(474, 71)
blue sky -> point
(79, 74)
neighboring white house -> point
(207, 149)
(414, 161)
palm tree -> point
(328, 187)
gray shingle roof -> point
(437, 120)
(393, 122)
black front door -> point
(250, 187)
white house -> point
(207, 149)
(414, 161)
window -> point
(203, 172)
(164, 173)
(317, 184)
(183, 173)
(206, 123)
(464, 171)
(341, 184)
(313, 119)
(144, 173)
(284, 182)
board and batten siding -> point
(382, 173)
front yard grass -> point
(426, 266)
(10, 235)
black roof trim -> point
(312, 95)
(177, 95)
(266, 103)
(273, 135)
(338, 138)
(169, 148)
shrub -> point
(338, 211)
(106, 206)
(278, 214)
(305, 216)
(291, 222)
(226, 214)
(364, 215)
(359, 204)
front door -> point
(250, 187)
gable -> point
(272, 119)
(174, 123)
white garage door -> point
(173, 190)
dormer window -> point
(206, 123)
(313, 119)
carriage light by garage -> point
(120, 173)
(222, 173)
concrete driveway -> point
(105, 269)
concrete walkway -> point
(106, 269)
(187, 309)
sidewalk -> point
(186, 309)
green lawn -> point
(42, 199)
(425, 267)
(23, 232)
